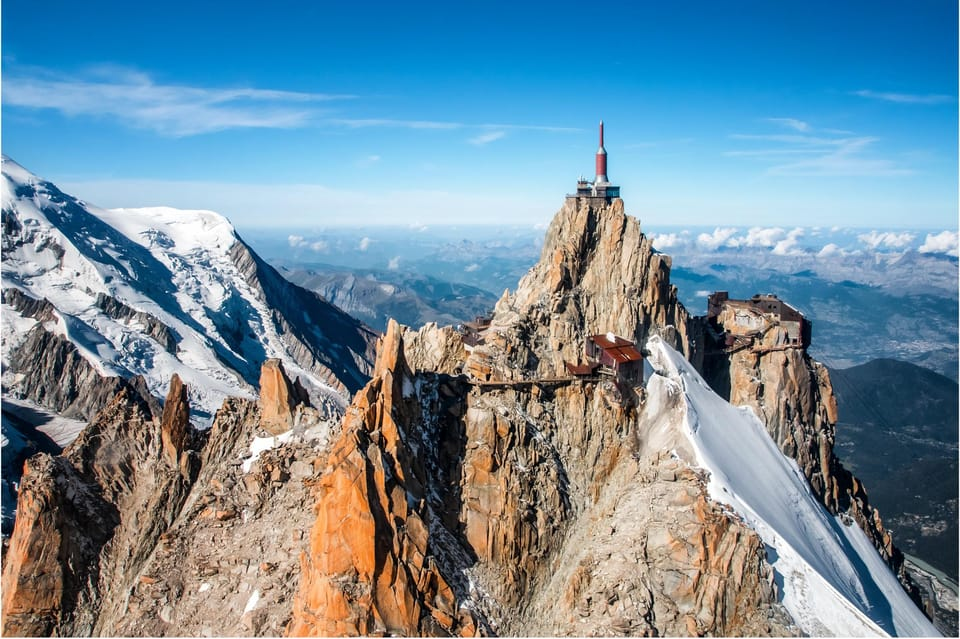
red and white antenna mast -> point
(601, 161)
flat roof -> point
(620, 349)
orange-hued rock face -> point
(369, 569)
(278, 398)
(87, 520)
(474, 487)
(61, 527)
(33, 581)
(175, 420)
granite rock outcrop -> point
(145, 526)
(479, 488)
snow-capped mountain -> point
(158, 291)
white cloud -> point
(792, 123)
(875, 239)
(486, 138)
(298, 241)
(133, 98)
(663, 241)
(906, 98)
(846, 160)
(944, 242)
(788, 245)
(168, 109)
(362, 123)
(830, 250)
(472, 267)
(369, 160)
(394, 263)
(763, 237)
(719, 237)
(364, 243)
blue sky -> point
(745, 113)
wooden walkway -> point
(541, 381)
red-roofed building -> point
(617, 354)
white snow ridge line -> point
(831, 578)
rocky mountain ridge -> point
(537, 454)
(148, 527)
(476, 485)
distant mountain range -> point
(869, 295)
(898, 432)
(159, 291)
(375, 296)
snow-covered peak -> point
(187, 230)
(15, 174)
(156, 291)
(830, 577)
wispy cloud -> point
(813, 152)
(847, 159)
(906, 98)
(368, 161)
(133, 98)
(791, 123)
(486, 138)
(362, 123)
(168, 109)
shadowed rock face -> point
(175, 421)
(55, 375)
(87, 520)
(154, 328)
(145, 527)
(321, 337)
(450, 506)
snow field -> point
(831, 579)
